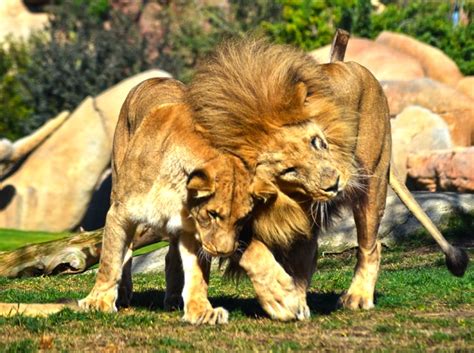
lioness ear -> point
(263, 190)
(200, 184)
(301, 94)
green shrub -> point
(15, 111)
(76, 57)
(430, 22)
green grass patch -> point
(11, 239)
(419, 306)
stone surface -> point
(416, 129)
(52, 188)
(152, 262)
(17, 21)
(384, 62)
(398, 223)
(442, 170)
(454, 107)
(435, 63)
(466, 86)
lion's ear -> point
(263, 190)
(301, 94)
(200, 183)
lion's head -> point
(277, 109)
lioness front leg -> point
(197, 308)
(278, 293)
(367, 215)
(116, 250)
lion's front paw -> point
(100, 301)
(286, 307)
(210, 316)
(356, 300)
(280, 297)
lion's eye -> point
(213, 214)
(318, 143)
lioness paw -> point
(173, 302)
(355, 301)
(211, 316)
(98, 302)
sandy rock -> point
(416, 129)
(52, 188)
(454, 107)
(436, 64)
(384, 62)
(398, 223)
(442, 170)
(16, 20)
(466, 86)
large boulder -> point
(384, 62)
(398, 223)
(442, 170)
(454, 107)
(52, 188)
(436, 64)
(416, 129)
(17, 21)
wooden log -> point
(73, 254)
(339, 45)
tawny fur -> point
(317, 135)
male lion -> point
(319, 139)
(167, 178)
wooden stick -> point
(339, 45)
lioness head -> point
(220, 202)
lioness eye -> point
(213, 214)
(318, 143)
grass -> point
(11, 239)
(420, 307)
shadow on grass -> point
(319, 303)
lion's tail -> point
(456, 258)
(34, 309)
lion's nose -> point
(333, 188)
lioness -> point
(319, 138)
(167, 178)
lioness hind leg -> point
(278, 293)
(367, 215)
(174, 277)
(116, 245)
(125, 291)
(197, 308)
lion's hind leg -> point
(197, 308)
(367, 215)
(116, 251)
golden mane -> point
(249, 88)
(246, 92)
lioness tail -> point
(456, 258)
(34, 309)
